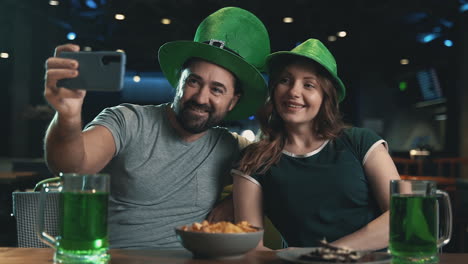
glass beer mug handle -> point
(447, 230)
(40, 226)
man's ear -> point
(234, 101)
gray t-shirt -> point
(158, 181)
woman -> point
(312, 176)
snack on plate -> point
(220, 227)
(329, 253)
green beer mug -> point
(414, 221)
(83, 233)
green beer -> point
(413, 226)
(83, 225)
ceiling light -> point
(464, 7)
(404, 61)
(288, 20)
(4, 55)
(342, 34)
(91, 4)
(331, 38)
(446, 23)
(448, 43)
(427, 37)
(71, 36)
(119, 16)
(165, 21)
(54, 2)
(136, 78)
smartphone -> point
(98, 70)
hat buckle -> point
(216, 41)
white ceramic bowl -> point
(218, 245)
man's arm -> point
(67, 148)
(380, 169)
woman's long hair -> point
(260, 156)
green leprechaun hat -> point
(234, 39)
(315, 50)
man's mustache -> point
(195, 105)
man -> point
(167, 162)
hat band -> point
(220, 44)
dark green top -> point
(324, 194)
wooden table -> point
(128, 256)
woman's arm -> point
(380, 169)
(248, 204)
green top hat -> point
(315, 50)
(234, 39)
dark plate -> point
(293, 255)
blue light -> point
(71, 35)
(415, 17)
(446, 23)
(448, 43)
(464, 7)
(429, 38)
(251, 117)
(91, 4)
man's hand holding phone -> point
(68, 148)
(66, 102)
(79, 71)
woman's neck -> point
(301, 140)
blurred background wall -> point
(404, 62)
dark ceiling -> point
(383, 29)
(380, 33)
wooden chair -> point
(454, 164)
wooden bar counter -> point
(147, 256)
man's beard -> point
(196, 124)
